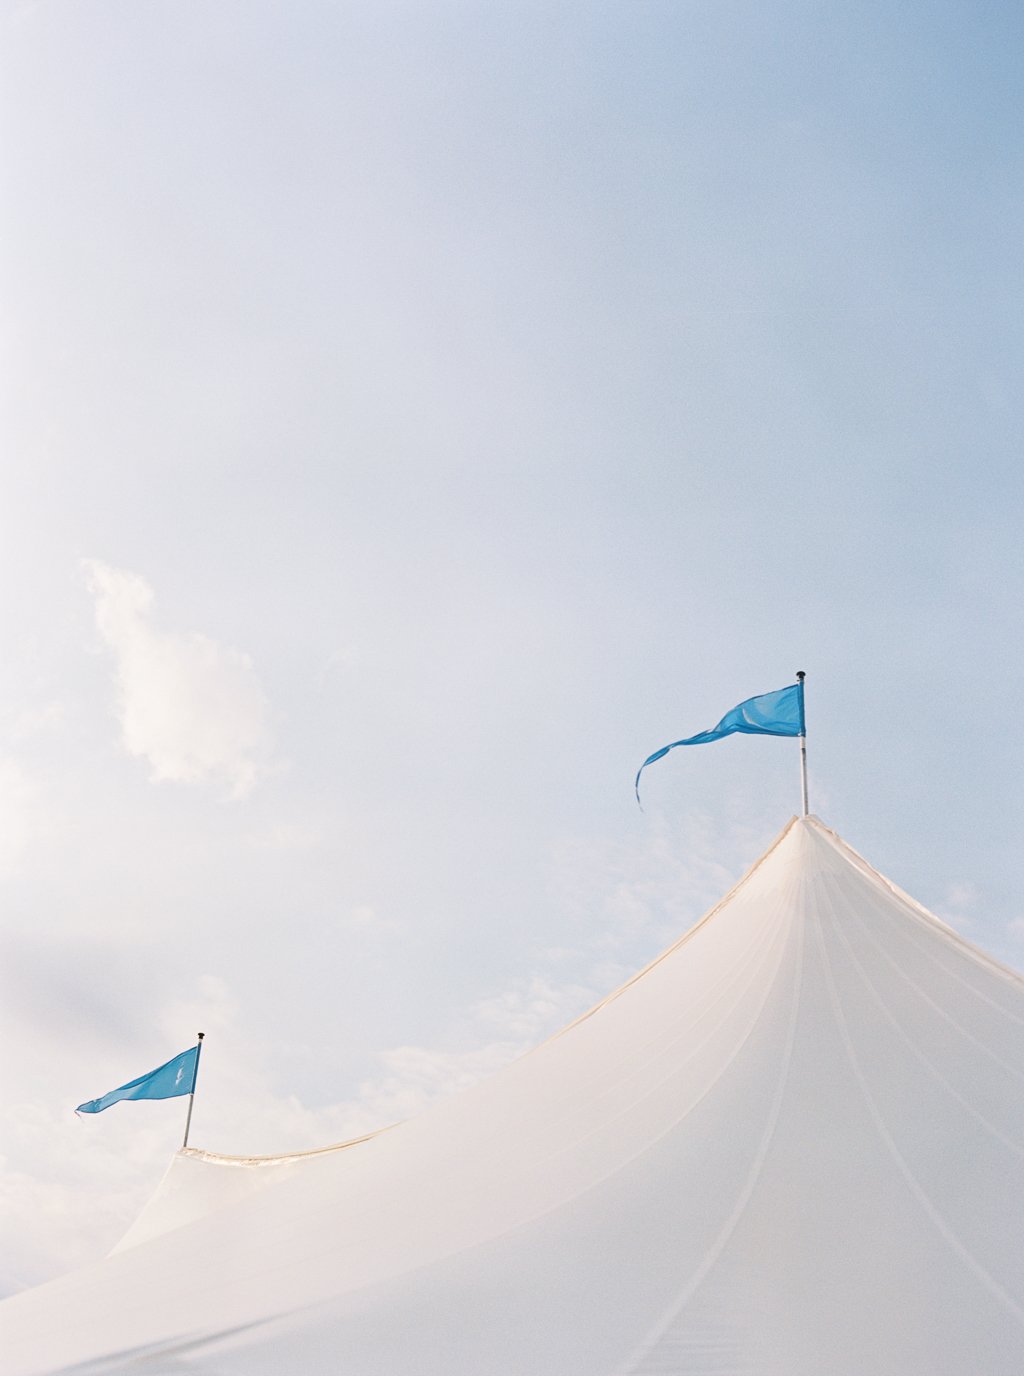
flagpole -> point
(192, 1091)
(803, 744)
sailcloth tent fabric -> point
(792, 1146)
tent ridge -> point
(216, 1158)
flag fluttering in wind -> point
(770, 714)
(168, 1081)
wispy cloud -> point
(631, 900)
(193, 709)
(959, 906)
(631, 897)
(492, 1032)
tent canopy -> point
(793, 1144)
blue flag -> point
(772, 714)
(166, 1082)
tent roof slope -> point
(793, 1145)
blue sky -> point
(414, 416)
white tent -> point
(794, 1144)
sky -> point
(414, 415)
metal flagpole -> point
(803, 743)
(192, 1091)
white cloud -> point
(494, 1031)
(192, 708)
(288, 837)
(962, 895)
(534, 1008)
(959, 906)
(339, 662)
(630, 898)
(362, 916)
(363, 920)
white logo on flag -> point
(181, 1071)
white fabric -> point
(793, 1146)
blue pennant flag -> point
(166, 1082)
(771, 714)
